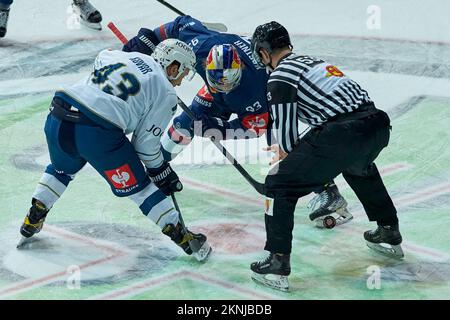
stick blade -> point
(216, 26)
(203, 253)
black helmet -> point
(270, 36)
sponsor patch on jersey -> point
(121, 177)
(203, 97)
(333, 71)
(256, 122)
(204, 94)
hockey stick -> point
(210, 25)
(200, 251)
(259, 187)
(117, 33)
(194, 244)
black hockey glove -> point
(214, 127)
(165, 179)
(145, 42)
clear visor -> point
(224, 85)
(257, 58)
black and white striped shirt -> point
(310, 90)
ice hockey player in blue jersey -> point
(234, 84)
(127, 93)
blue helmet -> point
(223, 68)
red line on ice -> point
(72, 236)
(32, 283)
(148, 284)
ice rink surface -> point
(96, 246)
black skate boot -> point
(4, 15)
(273, 271)
(191, 243)
(88, 14)
(34, 221)
(385, 240)
(329, 208)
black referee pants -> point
(347, 145)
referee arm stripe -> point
(285, 120)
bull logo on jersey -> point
(121, 177)
(333, 71)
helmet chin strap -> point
(269, 66)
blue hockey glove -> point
(211, 126)
(145, 42)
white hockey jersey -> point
(130, 90)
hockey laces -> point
(318, 199)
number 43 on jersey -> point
(127, 85)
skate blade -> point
(95, 26)
(203, 253)
(272, 281)
(24, 241)
(395, 252)
(341, 216)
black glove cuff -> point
(159, 174)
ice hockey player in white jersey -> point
(127, 93)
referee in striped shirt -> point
(347, 134)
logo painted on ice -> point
(121, 177)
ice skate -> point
(272, 271)
(329, 206)
(385, 240)
(89, 15)
(4, 15)
(34, 221)
(191, 243)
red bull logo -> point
(223, 57)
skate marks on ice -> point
(98, 253)
(27, 61)
(411, 270)
(424, 59)
(209, 283)
(343, 265)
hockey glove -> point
(214, 127)
(145, 42)
(165, 179)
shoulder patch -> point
(203, 97)
(204, 94)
